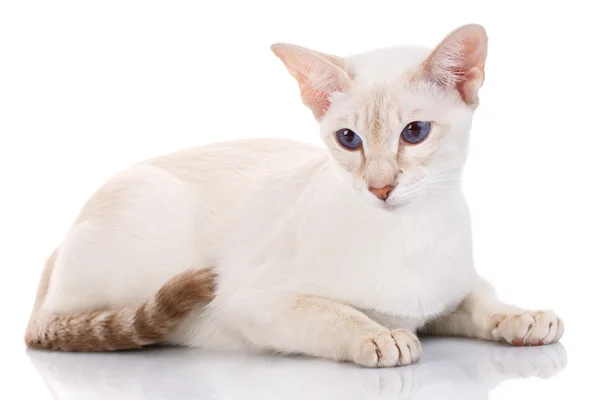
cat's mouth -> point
(402, 199)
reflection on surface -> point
(450, 369)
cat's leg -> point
(117, 281)
(481, 315)
(324, 328)
(132, 236)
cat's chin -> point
(391, 207)
(387, 206)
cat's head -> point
(395, 120)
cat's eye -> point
(416, 131)
(348, 139)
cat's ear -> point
(319, 75)
(459, 60)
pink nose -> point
(382, 193)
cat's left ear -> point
(318, 75)
(458, 62)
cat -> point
(268, 245)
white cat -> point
(341, 253)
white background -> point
(87, 88)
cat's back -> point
(218, 178)
(237, 161)
(224, 178)
(161, 216)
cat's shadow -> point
(449, 369)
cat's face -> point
(397, 142)
(396, 121)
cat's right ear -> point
(318, 75)
(459, 61)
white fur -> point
(308, 260)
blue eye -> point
(416, 131)
(348, 139)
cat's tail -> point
(127, 328)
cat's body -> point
(305, 255)
(303, 263)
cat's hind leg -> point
(135, 233)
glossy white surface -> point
(450, 369)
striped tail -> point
(127, 328)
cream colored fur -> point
(308, 259)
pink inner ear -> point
(317, 75)
(316, 100)
(475, 50)
(459, 61)
(318, 82)
(468, 87)
(316, 91)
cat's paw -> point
(527, 328)
(388, 349)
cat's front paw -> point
(527, 328)
(388, 349)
